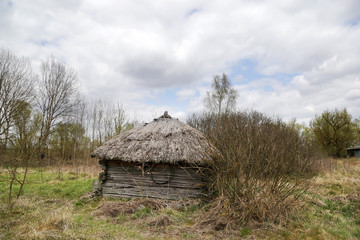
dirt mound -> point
(151, 204)
(115, 209)
(213, 223)
(161, 221)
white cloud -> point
(130, 51)
(186, 94)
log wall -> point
(122, 179)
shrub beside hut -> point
(162, 159)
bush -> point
(263, 167)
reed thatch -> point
(164, 140)
(354, 147)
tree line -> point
(43, 116)
(330, 133)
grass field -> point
(57, 207)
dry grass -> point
(89, 167)
(329, 210)
(331, 206)
(341, 179)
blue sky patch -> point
(354, 21)
(247, 69)
(192, 12)
(169, 98)
(42, 43)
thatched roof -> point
(355, 147)
(165, 140)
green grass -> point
(52, 207)
(142, 213)
(48, 185)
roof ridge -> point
(165, 115)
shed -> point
(162, 159)
(354, 151)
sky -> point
(290, 59)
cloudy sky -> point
(293, 58)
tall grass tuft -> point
(264, 165)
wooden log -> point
(155, 178)
(116, 184)
(123, 179)
(112, 172)
(150, 182)
(176, 172)
(132, 176)
(152, 192)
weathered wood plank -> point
(131, 195)
(165, 174)
(157, 181)
(146, 181)
(115, 184)
(175, 173)
(151, 182)
(175, 170)
(155, 176)
(152, 192)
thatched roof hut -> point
(354, 151)
(161, 159)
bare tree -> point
(105, 120)
(57, 91)
(93, 117)
(100, 126)
(116, 119)
(222, 98)
(80, 120)
(22, 148)
(16, 88)
(16, 97)
(120, 123)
